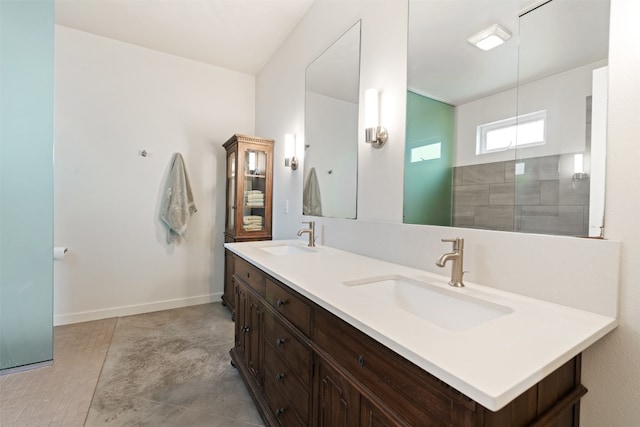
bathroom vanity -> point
(325, 337)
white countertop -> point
(492, 363)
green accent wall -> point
(26, 182)
(428, 183)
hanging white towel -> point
(177, 202)
(311, 202)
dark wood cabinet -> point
(305, 366)
(228, 295)
(249, 190)
(337, 400)
(372, 416)
(248, 330)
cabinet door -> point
(228, 296)
(254, 334)
(338, 402)
(230, 222)
(253, 198)
(241, 318)
(249, 325)
(371, 416)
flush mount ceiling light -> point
(490, 37)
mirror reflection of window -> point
(522, 131)
(523, 112)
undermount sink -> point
(287, 249)
(432, 303)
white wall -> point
(280, 102)
(562, 95)
(331, 136)
(574, 271)
(112, 100)
(611, 368)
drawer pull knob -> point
(280, 303)
(280, 341)
(279, 377)
(361, 361)
(248, 275)
(245, 329)
(279, 412)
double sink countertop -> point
(502, 345)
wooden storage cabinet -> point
(306, 367)
(249, 190)
(248, 330)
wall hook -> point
(144, 153)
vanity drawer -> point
(250, 275)
(280, 381)
(415, 395)
(291, 306)
(283, 343)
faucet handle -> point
(458, 243)
(312, 224)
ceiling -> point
(242, 35)
(445, 66)
(239, 35)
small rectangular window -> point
(521, 131)
(426, 152)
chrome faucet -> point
(312, 232)
(456, 258)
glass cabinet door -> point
(231, 190)
(255, 186)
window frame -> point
(522, 119)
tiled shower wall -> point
(547, 198)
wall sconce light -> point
(374, 134)
(490, 37)
(290, 159)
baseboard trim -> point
(86, 316)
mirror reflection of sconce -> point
(375, 134)
(578, 168)
(290, 159)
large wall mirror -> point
(332, 91)
(511, 138)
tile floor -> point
(168, 368)
(58, 395)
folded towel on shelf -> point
(177, 200)
(253, 192)
(252, 227)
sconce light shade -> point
(578, 168)
(490, 37)
(374, 134)
(290, 159)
